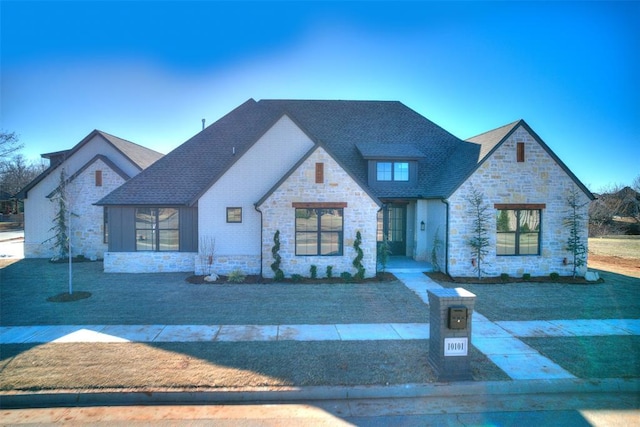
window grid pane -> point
(157, 229)
(384, 171)
(318, 231)
(518, 232)
(401, 171)
(234, 214)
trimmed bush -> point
(329, 271)
(346, 277)
(313, 272)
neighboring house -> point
(93, 168)
(320, 171)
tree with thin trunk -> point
(60, 229)
(479, 240)
(574, 222)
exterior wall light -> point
(422, 225)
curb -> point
(20, 400)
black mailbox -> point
(457, 318)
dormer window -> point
(392, 171)
(391, 164)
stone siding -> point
(338, 186)
(149, 262)
(39, 211)
(225, 264)
(501, 179)
(87, 220)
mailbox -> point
(457, 318)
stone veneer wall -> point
(149, 262)
(539, 179)
(87, 221)
(225, 264)
(338, 186)
(87, 229)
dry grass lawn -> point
(618, 255)
(136, 366)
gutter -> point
(255, 206)
(446, 243)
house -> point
(91, 169)
(318, 172)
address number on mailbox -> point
(456, 346)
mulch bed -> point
(67, 297)
(445, 278)
(255, 279)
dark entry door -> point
(394, 225)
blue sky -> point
(150, 71)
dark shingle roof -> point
(490, 139)
(346, 128)
(143, 157)
(140, 156)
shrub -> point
(526, 277)
(346, 277)
(275, 266)
(384, 251)
(357, 262)
(329, 271)
(554, 276)
(236, 276)
(313, 272)
(504, 277)
(296, 278)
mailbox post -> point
(450, 314)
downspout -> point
(261, 231)
(446, 243)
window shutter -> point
(319, 173)
(520, 150)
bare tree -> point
(16, 173)
(615, 211)
(9, 144)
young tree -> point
(479, 240)
(384, 252)
(60, 229)
(574, 222)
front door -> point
(393, 224)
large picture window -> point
(319, 231)
(392, 171)
(518, 231)
(157, 229)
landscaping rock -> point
(592, 276)
(211, 278)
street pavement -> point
(541, 393)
